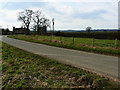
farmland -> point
(102, 46)
(22, 69)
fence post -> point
(93, 43)
(116, 43)
(60, 38)
(51, 36)
(73, 39)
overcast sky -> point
(69, 14)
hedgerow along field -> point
(21, 69)
(111, 47)
(97, 35)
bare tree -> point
(40, 21)
(37, 19)
(45, 22)
(88, 29)
(26, 17)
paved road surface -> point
(102, 64)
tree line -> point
(29, 16)
(96, 35)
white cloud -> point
(67, 21)
(8, 17)
(63, 15)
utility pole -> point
(7, 26)
(53, 24)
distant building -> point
(19, 30)
(4, 31)
(42, 30)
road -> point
(97, 63)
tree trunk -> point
(38, 31)
(27, 31)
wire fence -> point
(83, 41)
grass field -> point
(85, 44)
(77, 41)
(22, 69)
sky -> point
(68, 15)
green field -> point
(77, 41)
(22, 69)
(85, 44)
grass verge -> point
(22, 69)
(42, 40)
